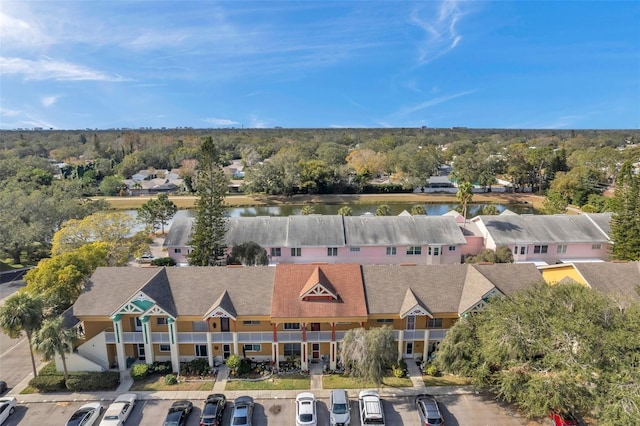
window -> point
(296, 252)
(596, 246)
(562, 248)
(201, 350)
(515, 250)
(384, 321)
(252, 348)
(434, 323)
(292, 349)
(161, 321)
(436, 251)
(452, 248)
(200, 326)
(165, 348)
(523, 250)
(177, 251)
(291, 326)
(414, 251)
(332, 251)
(354, 249)
(540, 249)
(276, 252)
(391, 251)
(251, 322)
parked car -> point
(119, 410)
(213, 410)
(7, 408)
(145, 258)
(563, 418)
(85, 415)
(306, 414)
(178, 413)
(3, 387)
(371, 411)
(242, 411)
(339, 408)
(428, 410)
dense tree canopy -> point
(368, 353)
(625, 223)
(553, 347)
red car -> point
(563, 419)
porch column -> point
(117, 330)
(425, 350)
(173, 344)
(235, 343)
(274, 345)
(148, 343)
(333, 348)
(303, 361)
(209, 349)
(400, 344)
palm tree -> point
(22, 312)
(383, 210)
(345, 211)
(307, 210)
(465, 194)
(418, 210)
(53, 338)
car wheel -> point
(12, 410)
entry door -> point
(226, 351)
(141, 355)
(408, 350)
(315, 326)
(315, 350)
(224, 324)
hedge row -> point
(78, 382)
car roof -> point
(339, 396)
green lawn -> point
(338, 381)
(155, 382)
(287, 382)
(446, 380)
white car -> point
(85, 415)
(306, 409)
(119, 410)
(7, 407)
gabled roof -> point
(344, 278)
(412, 306)
(620, 280)
(315, 231)
(476, 286)
(222, 307)
(542, 229)
(510, 277)
(266, 231)
(602, 221)
(318, 285)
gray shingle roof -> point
(476, 285)
(265, 231)
(402, 230)
(602, 221)
(543, 229)
(511, 277)
(620, 280)
(180, 230)
(316, 230)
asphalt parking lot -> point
(457, 410)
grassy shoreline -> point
(188, 201)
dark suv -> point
(428, 411)
(212, 410)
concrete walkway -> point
(415, 374)
(221, 379)
(315, 371)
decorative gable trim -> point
(318, 287)
(416, 311)
(411, 306)
(155, 310)
(138, 304)
(219, 312)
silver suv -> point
(371, 411)
(428, 411)
(339, 408)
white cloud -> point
(50, 69)
(17, 33)
(47, 101)
(433, 102)
(220, 121)
(9, 112)
(257, 123)
(441, 34)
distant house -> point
(153, 182)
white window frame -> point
(296, 252)
(197, 350)
(392, 251)
(161, 321)
(354, 249)
(332, 251)
(252, 347)
(415, 251)
(596, 246)
(164, 348)
(291, 326)
(276, 252)
(250, 322)
(434, 322)
(177, 251)
(562, 248)
(199, 326)
(452, 248)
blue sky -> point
(504, 64)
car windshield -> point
(210, 409)
(339, 408)
(306, 418)
(240, 420)
(112, 417)
(80, 414)
(434, 421)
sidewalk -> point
(316, 387)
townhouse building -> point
(272, 313)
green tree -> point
(156, 213)
(22, 312)
(554, 203)
(111, 185)
(53, 338)
(249, 254)
(464, 195)
(625, 222)
(307, 210)
(489, 210)
(502, 254)
(383, 210)
(345, 211)
(367, 354)
(209, 228)
(418, 210)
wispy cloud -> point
(47, 101)
(258, 123)
(50, 69)
(220, 121)
(441, 34)
(433, 102)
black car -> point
(213, 409)
(3, 387)
(428, 411)
(178, 413)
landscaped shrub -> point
(48, 369)
(196, 367)
(163, 261)
(431, 370)
(48, 383)
(161, 367)
(245, 367)
(107, 380)
(398, 372)
(170, 379)
(139, 371)
(233, 362)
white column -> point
(173, 344)
(235, 343)
(333, 357)
(209, 349)
(425, 349)
(148, 342)
(400, 344)
(117, 330)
